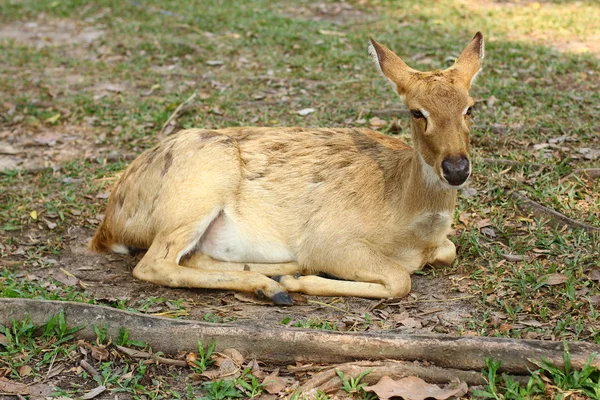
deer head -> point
(440, 108)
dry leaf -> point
(594, 275)
(234, 355)
(377, 122)
(24, 370)
(190, 359)
(245, 298)
(413, 388)
(93, 393)
(99, 353)
(306, 111)
(35, 392)
(553, 279)
(513, 257)
(273, 383)
(6, 148)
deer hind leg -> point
(370, 274)
(160, 265)
(207, 263)
(444, 255)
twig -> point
(175, 113)
(592, 173)
(88, 367)
(322, 304)
(167, 361)
(400, 303)
(151, 358)
(554, 217)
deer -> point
(319, 211)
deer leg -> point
(160, 265)
(371, 275)
(444, 255)
(207, 263)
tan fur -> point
(225, 209)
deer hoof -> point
(282, 299)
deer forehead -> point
(438, 97)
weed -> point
(220, 390)
(354, 386)
(203, 361)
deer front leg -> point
(160, 265)
(369, 274)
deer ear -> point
(391, 66)
(469, 63)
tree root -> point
(287, 346)
(554, 217)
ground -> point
(87, 87)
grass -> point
(548, 381)
(536, 104)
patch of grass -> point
(24, 351)
(354, 386)
(549, 381)
(203, 360)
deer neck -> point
(420, 188)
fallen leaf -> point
(377, 122)
(306, 111)
(214, 63)
(243, 297)
(24, 370)
(513, 257)
(331, 33)
(93, 393)
(594, 275)
(103, 195)
(234, 355)
(66, 278)
(99, 353)
(35, 391)
(6, 148)
(552, 279)
(33, 215)
(413, 388)
(190, 359)
(3, 339)
(273, 383)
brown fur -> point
(227, 208)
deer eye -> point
(469, 110)
(417, 114)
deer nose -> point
(456, 170)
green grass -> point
(548, 381)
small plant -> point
(352, 385)
(123, 339)
(203, 361)
(564, 380)
(249, 384)
(101, 334)
(220, 390)
(586, 380)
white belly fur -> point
(228, 240)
